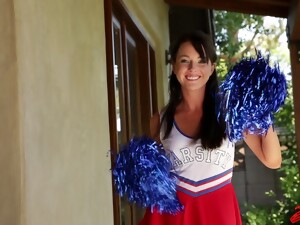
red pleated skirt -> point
(219, 207)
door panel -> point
(131, 90)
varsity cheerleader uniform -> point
(204, 187)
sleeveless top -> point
(199, 171)
(204, 183)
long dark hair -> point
(211, 131)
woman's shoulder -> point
(155, 123)
(155, 126)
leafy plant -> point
(231, 47)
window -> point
(131, 89)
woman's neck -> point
(193, 100)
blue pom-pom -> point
(250, 95)
(142, 174)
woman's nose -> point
(191, 65)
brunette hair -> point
(211, 131)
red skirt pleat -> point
(219, 207)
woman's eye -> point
(202, 61)
(184, 61)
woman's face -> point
(191, 71)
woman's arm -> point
(265, 147)
(155, 127)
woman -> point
(196, 142)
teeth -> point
(192, 77)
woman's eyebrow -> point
(179, 56)
(183, 55)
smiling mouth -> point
(192, 77)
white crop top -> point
(199, 171)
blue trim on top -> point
(207, 180)
(203, 192)
(176, 126)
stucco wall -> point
(54, 132)
(152, 19)
(64, 117)
(10, 163)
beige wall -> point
(54, 130)
(10, 172)
(152, 18)
(64, 118)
